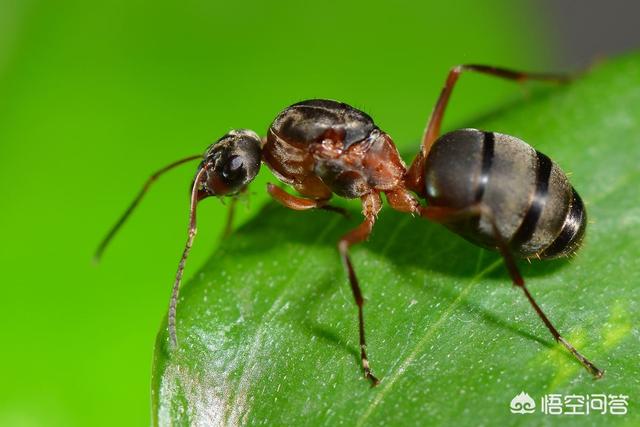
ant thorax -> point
(332, 147)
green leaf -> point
(268, 327)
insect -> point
(493, 189)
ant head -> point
(228, 166)
(231, 163)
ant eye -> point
(232, 162)
(235, 163)
(233, 171)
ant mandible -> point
(492, 189)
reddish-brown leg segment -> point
(403, 201)
(414, 179)
(301, 203)
(444, 215)
(371, 205)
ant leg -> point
(301, 203)
(414, 178)
(233, 205)
(293, 202)
(402, 200)
(337, 209)
(371, 205)
(228, 227)
(444, 215)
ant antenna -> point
(192, 234)
(130, 209)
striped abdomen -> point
(535, 207)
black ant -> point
(493, 189)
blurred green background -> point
(94, 96)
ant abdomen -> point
(534, 206)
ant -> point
(492, 189)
